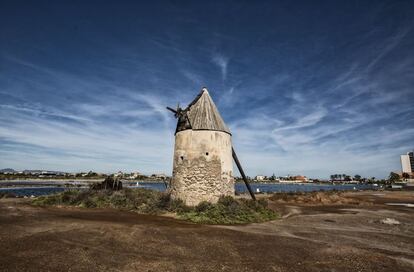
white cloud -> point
(222, 62)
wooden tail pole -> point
(171, 109)
(236, 160)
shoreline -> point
(65, 181)
(163, 181)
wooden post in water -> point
(236, 160)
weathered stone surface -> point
(203, 167)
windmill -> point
(203, 153)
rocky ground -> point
(326, 232)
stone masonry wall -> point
(203, 168)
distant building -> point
(300, 178)
(293, 179)
(135, 175)
(259, 178)
(119, 174)
(289, 181)
(407, 162)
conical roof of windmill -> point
(202, 114)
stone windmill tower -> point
(203, 165)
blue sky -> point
(312, 87)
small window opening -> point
(182, 158)
(206, 153)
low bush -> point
(7, 195)
(226, 211)
(230, 211)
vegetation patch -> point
(7, 195)
(230, 211)
(227, 211)
(316, 198)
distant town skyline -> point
(306, 88)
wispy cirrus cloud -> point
(222, 62)
(311, 97)
(105, 131)
(348, 123)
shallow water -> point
(35, 191)
(240, 188)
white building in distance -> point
(407, 162)
(259, 178)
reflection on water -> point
(240, 188)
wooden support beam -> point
(236, 160)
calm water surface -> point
(240, 188)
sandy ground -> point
(308, 237)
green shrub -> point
(203, 206)
(230, 211)
(88, 203)
(178, 206)
(164, 201)
(226, 211)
